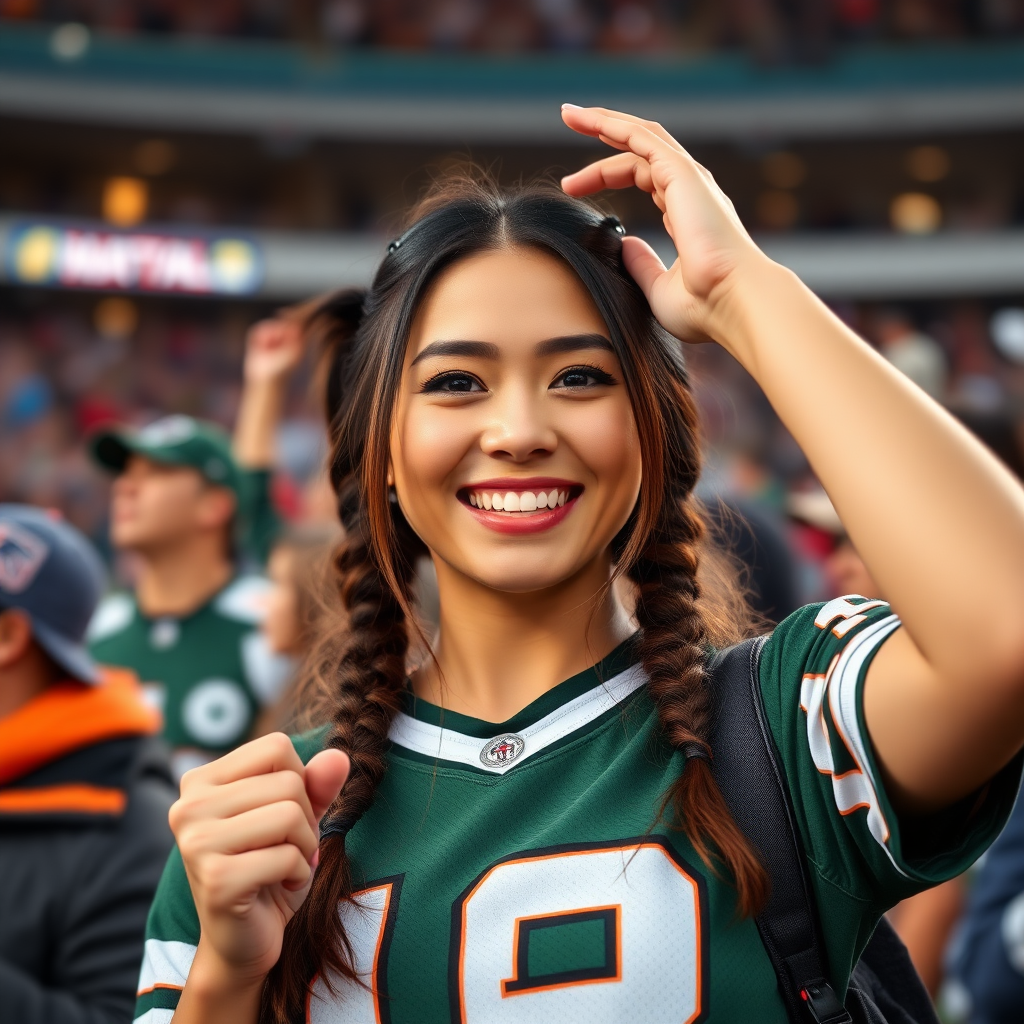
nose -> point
(518, 429)
(123, 484)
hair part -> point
(359, 671)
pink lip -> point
(520, 483)
(534, 522)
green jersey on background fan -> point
(517, 872)
(209, 673)
(206, 666)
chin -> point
(524, 576)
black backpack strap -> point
(747, 772)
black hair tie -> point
(336, 827)
(613, 222)
(700, 750)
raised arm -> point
(273, 350)
(937, 519)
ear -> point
(217, 508)
(391, 474)
(15, 636)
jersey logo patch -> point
(21, 557)
(502, 750)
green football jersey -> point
(209, 673)
(517, 873)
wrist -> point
(274, 384)
(216, 981)
(750, 294)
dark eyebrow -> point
(486, 350)
(480, 349)
(573, 343)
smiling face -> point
(514, 449)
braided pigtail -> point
(358, 673)
(673, 644)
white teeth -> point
(518, 501)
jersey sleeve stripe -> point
(844, 699)
(835, 698)
(165, 965)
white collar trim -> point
(446, 745)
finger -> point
(643, 263)
(271, 753)
(258, 829)
(325, 775)
(635, 137)
(621, 171)
(220, 802)
(228, 881)
(653, 126)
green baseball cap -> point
(175, 441)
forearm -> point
(259, 413)
(930, 510)
(213, 994)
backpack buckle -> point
(823, 1004)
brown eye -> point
(578, 377)
(452, 383)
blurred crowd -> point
(772, 30)
(185, 442)
(68, 367)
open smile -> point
(510, 505)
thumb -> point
(642, 262)
(325, 775)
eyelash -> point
(436, 383)
(601, 377)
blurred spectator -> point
(84, 790)
(772, 30)
(913, 353)
(301, 598)
(301, 592)
(755, 536)
(189, 630)
(986, 983)
(186, 507)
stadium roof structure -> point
(238, 86)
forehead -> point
(505, 296)
(141, 464)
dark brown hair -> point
(362, 674)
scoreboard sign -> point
(84, 257)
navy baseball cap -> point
(53, 574)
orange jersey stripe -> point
(75, 796)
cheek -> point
(430, 445)
(604, 436)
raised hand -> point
(273, 349)
(247, 826)
(711, 243)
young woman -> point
(527, 828)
